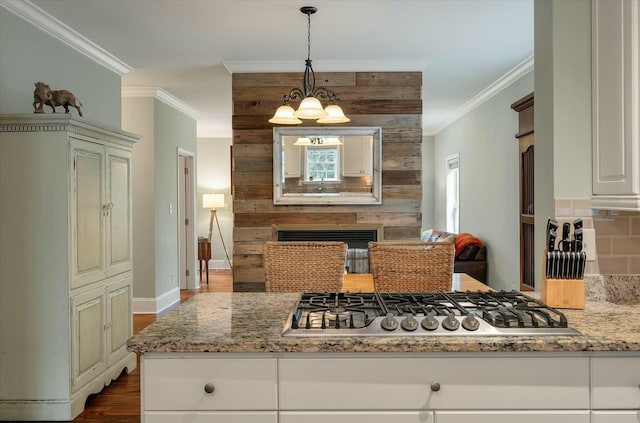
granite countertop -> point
(253, 322)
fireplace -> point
(355, 237)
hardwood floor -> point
(120, 401)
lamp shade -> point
(213, 201)
(285, 116)
(310, 108)
(334, 115)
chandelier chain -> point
(308, 36)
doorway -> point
(186, 220)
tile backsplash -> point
(617, 236)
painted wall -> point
(29, 55)
(485, 139)
(172, 130)
(214, 177)
(155, 166)
(137, 117)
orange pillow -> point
(465, 239)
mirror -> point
(316, 165)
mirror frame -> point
(281, 198)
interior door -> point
(186, 220)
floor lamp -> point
(213, 201)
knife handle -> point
(566, 228)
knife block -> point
(561, 293)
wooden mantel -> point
(391, 100)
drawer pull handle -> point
(209, 388)
(435, 386)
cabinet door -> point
(357, 156)
(118, 212)
(578, 416)
(119, 319)
(88, 341)
(356, 417)
(87, 212)
(292, 157)
(616, 54)
(615, 382)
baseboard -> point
(156, 305)
(52, 410)
(219, 265)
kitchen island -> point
(221, 357)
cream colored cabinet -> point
(66, 242)
(551, 416)
(292, 157)
(434, 383)
(197, 387)
(616, 104)
(100, 212)
(615, 383)
(629, 416)
(357, 417)
(356, 156)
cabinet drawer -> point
(615, 382)
(405, 384)
(579, 416)
(356, 417)
(211, 417)
(615, 416)
(238, 384)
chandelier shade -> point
(318, 141)
(285, 115)
(310, 95)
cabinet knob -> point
(209, 388)
(435, 386)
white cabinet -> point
(393, 387)
(630, 416)
(357, 157)
(67, 261)
(552, 416)
(434, 383)
(357, 417)
(616, 104)
(197, 387)
(292, 157)
(615, 383)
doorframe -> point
(190, 214)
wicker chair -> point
(411, 266)
(304, 266)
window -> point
(453, 193)
(322, 163)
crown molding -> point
(44, 21)
(161, 95)
(327, 66)
(517, 72)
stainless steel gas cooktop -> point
(424, 314)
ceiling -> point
(189, 48)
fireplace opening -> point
(357, 260)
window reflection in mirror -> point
(327, 165)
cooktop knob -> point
(470, 322)
(450, 322)
(389, 322)
(409, 323)
(429, 323)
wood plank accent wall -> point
(391, 100)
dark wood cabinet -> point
(525, 137)
(204, 255)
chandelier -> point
(310, 106)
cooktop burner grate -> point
(424, 313)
